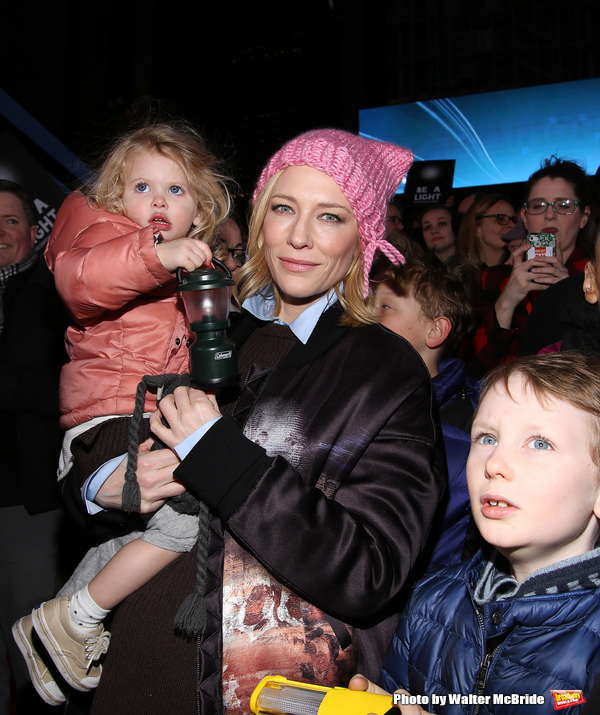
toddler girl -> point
(113, 252)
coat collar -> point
(326, 332)
(547, 611)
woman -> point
(566, 316)
(393, 221)
(438, 227)
(323, 476)
(484, 224)
(556, 203)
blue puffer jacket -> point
(537, 644)
(456, 396)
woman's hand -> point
(554, 269)
(154, 475)
(359, 682)
(185, 411)
(187, 253)
(527, 275)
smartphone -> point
(541, 244)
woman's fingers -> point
(518, 252)
(559, 252)
(186, 410)
(550, 271)
(154, 476)
(146, 445)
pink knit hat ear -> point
(366, 170)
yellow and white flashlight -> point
(276, 695)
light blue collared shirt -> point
(261, 306)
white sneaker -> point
(41, 677)
(74, 654)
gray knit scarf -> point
(574, 574)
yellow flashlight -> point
(276, 695)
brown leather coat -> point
(328, 473)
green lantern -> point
(206, 296)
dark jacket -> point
(563, 314)
(31, 355)
(329, 473)
(536, 644)
(456, 395)
(492, 345)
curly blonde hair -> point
(254, 276)
(182, 144)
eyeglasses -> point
(502, 219)
(561, 206)
(396, 220)
(238, 255)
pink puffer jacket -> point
(128, 317)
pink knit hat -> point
(367, 171)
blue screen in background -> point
(497, 137)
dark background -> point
(251, 75)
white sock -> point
(84, 612)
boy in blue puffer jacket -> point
(516, 630)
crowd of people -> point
(558, 199)
(399, 494)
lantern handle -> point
(214, 261)
(222, 266)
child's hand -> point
(187, 253)
(410, 709)
(359, 682)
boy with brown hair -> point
(519, 625)
(429, 303)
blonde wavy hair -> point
(182, 144)
(254, 276)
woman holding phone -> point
(556, 202)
